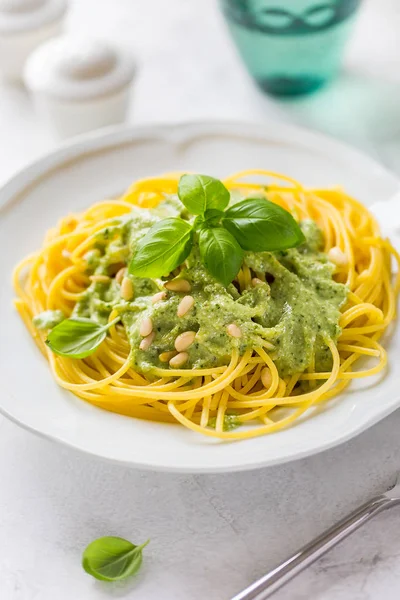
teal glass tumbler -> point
(290, 47)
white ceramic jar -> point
(24, 25)
(79, 84)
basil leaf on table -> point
(220, 253)
(164, 247)
(200, 193)
(112, 558)
(261, 225)
(77, 337)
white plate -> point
(103, 165)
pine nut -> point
(234, 331)
(185, 340)
(126, 289)
(178, 285)
(338, 257)
(100, 278)
(166, 356)
(179, 359)
(147, 341)
(146, 327)
(158, 297)
(266, 377)
(256, 281)
(185, 305)
(120, 275)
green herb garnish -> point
(253, 224)
(220, 253)
(166, 245)
(77, 337)
(200, 193)
(261, 225)
(112, 558)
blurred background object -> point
(188, 68)
(79, 84)
(290, 47)
(24, 25)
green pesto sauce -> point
(48, 319)
(295, 309)
(230, 423)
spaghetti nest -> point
(250, 385)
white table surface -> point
(211, 535)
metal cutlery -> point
(275, 579)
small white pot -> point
(24, 25)
(79, 85)
(71, 118)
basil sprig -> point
(77, 337)
(253, 224)
(112, 558)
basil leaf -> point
(112, 558)
(76, 337)
(220, 253)
(199, 223)
(164, 247)
(261, 225)
(201, 192)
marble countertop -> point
(211, 535)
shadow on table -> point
(357, 107)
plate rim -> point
(104, 139)
(115, 135)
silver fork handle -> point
(272, 581)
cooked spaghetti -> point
(284, 336)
